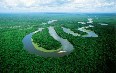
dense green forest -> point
(91, 55)
(43, 39)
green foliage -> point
(43, 39)
(91, 55)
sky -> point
(73, 6)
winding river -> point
(67, 47)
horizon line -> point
(61, 12)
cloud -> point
(59, 5)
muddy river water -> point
(67, 47)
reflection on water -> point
(89, 32)
(39, 29)
(81, 22)
(66, 45)
(103, 24)
(90, 20)
(52, 21)
(70, 32)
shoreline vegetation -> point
(42, 49)
(44, 40)
(93, 55)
